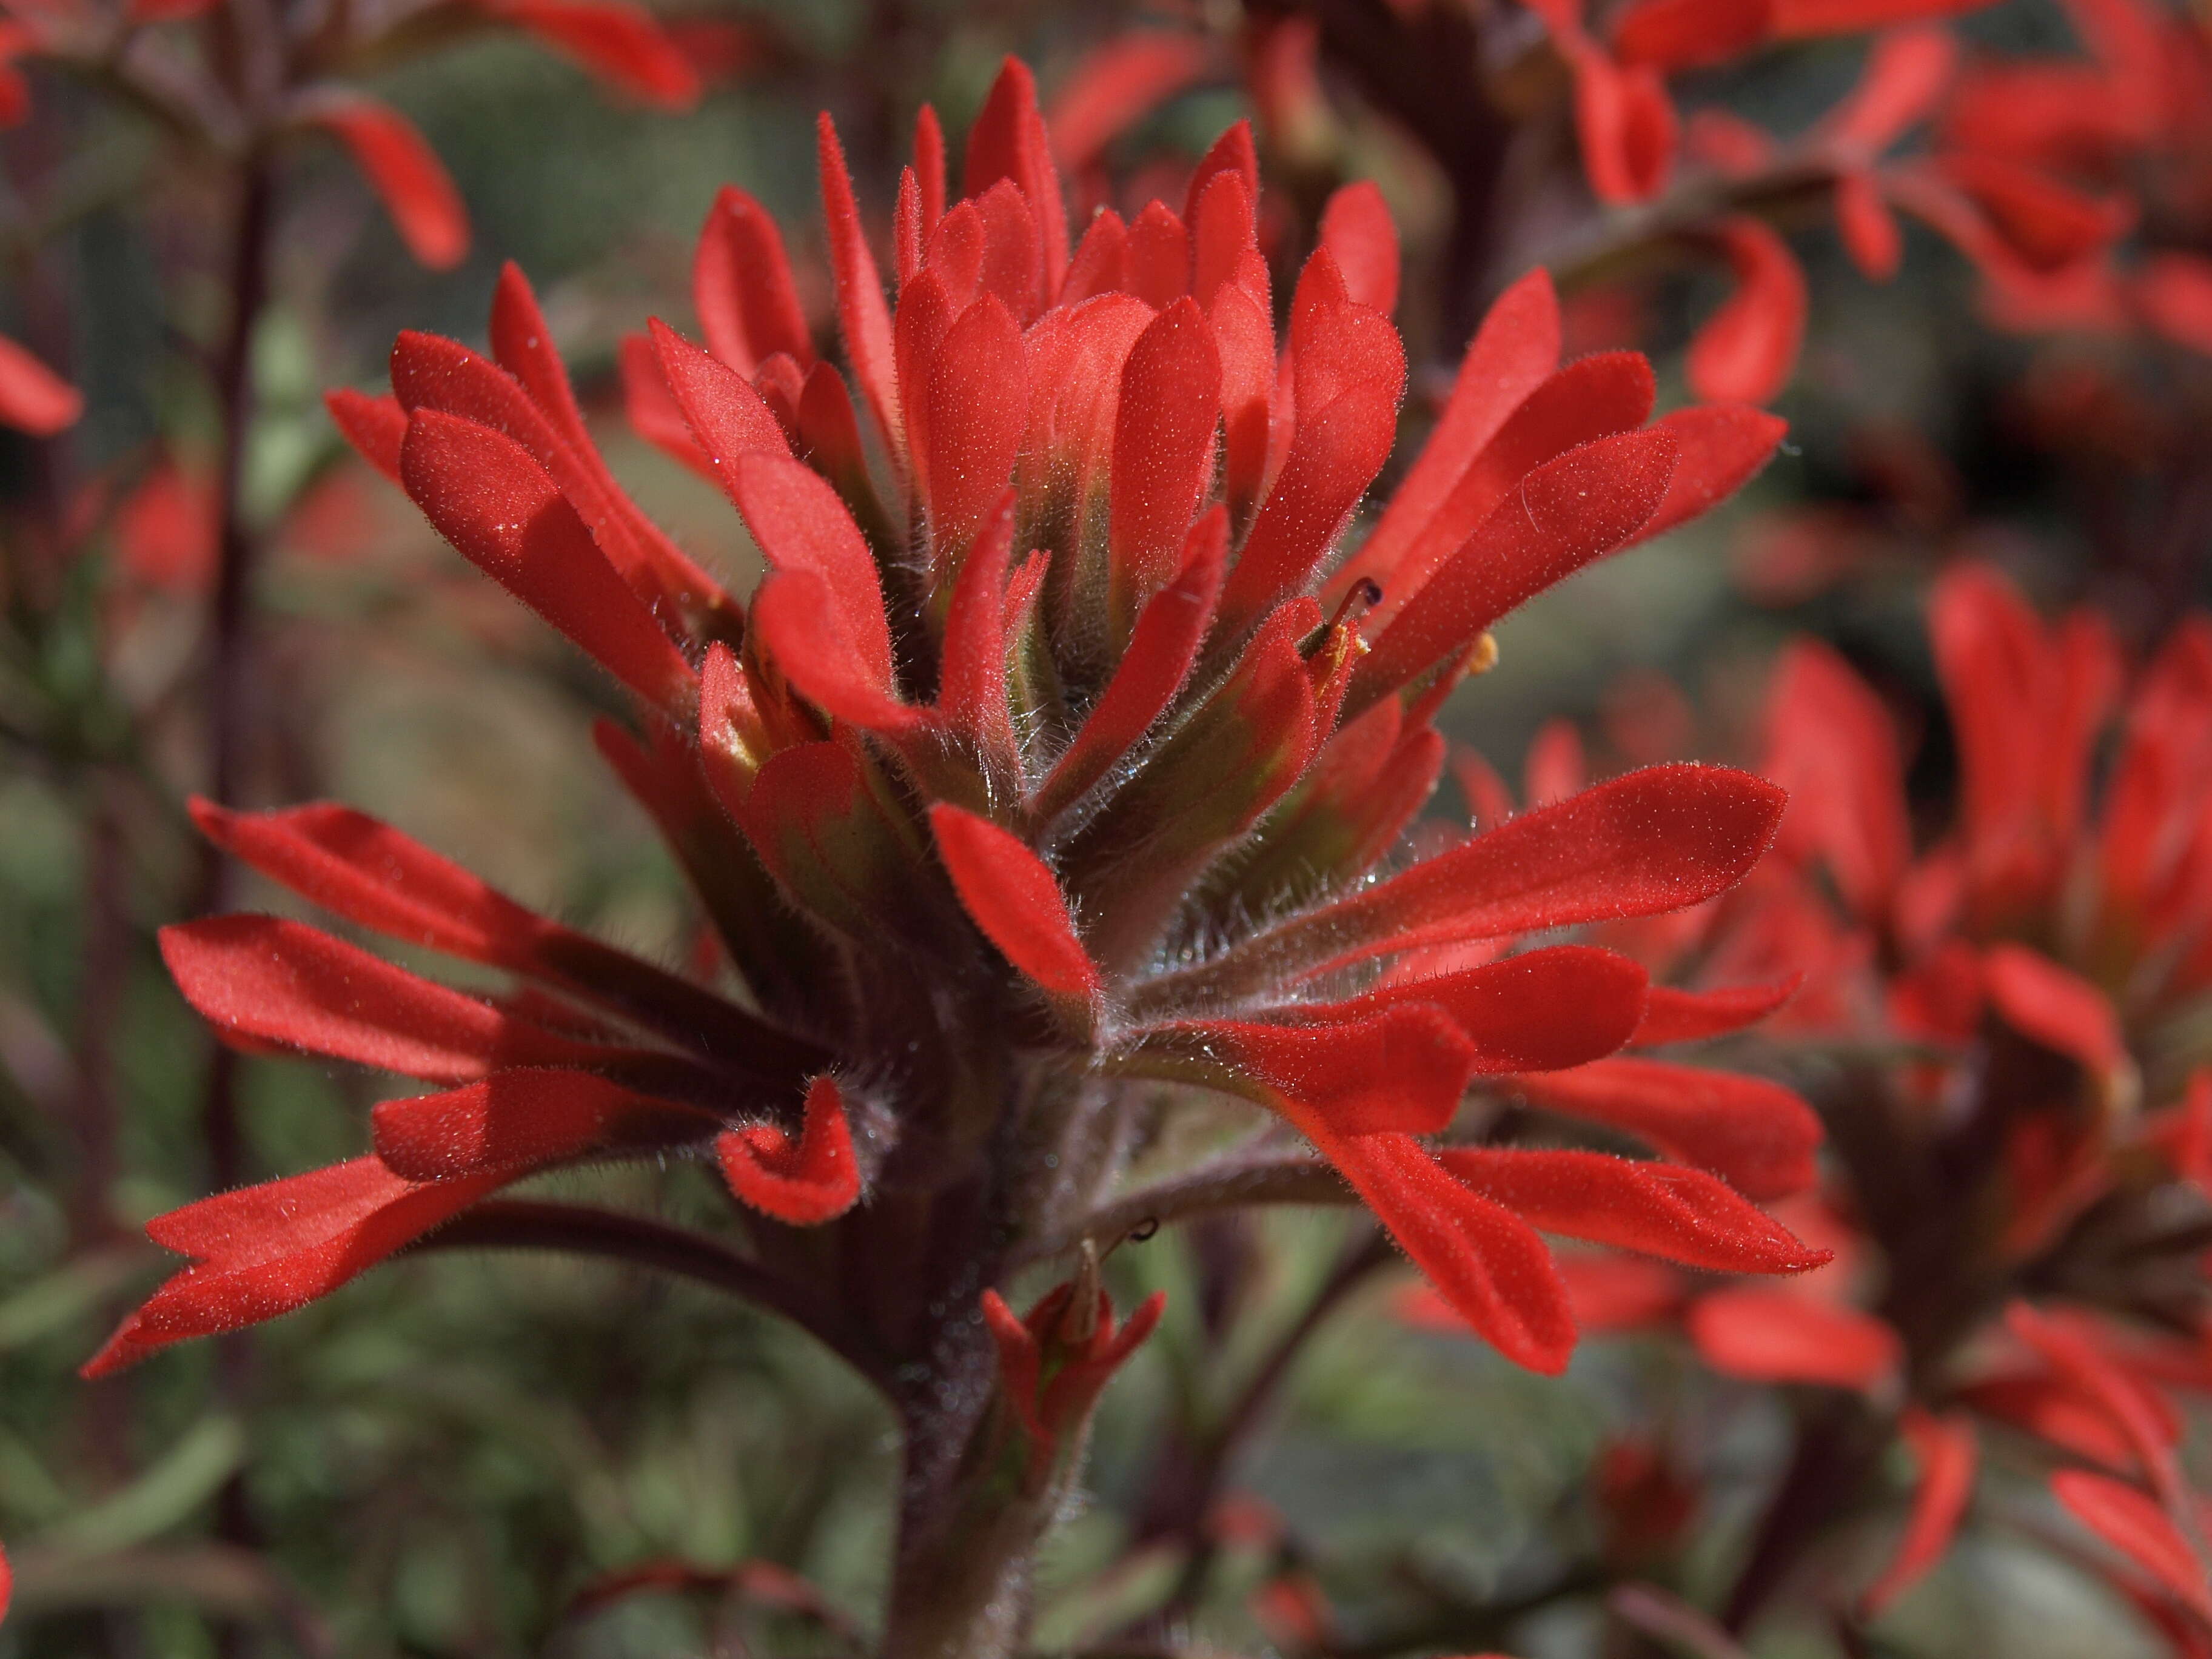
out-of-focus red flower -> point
(33, 397)
(403, 171)
(165, 529)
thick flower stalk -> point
(1050, 782)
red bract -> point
(1048, 779)
(33, 397)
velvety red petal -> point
(1746, 350)
(267, 981)
(723, 417)
(1163, 428)
(375, 425)
(803, 527)
(1719, 448)
(1013, 896)
(265, 1250)
(1487, 1262)
(978, 405)
(804, 1183)
(862, 315)
(1592, 397)
(1677, 1016)
(1657, 1209)
(742, 288)
(1540, 1011)
(1568, 511)
(1400, 1070)
(405, 173)
(1008, 141)
(1514, 352)
(1356, 226)
(1832, 744)
(488, 497)
(1759, 1335)
(1755, 1134)
(525, 1118)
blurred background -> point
(205, 591)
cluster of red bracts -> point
(2046, 955)
(1043, 699)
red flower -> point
(1047, 777)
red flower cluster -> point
(1036, 788)
(2041, 967)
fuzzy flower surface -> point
(1052, 789)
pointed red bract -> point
(261, 1251)
(1398, 1070)
(1657, 1209)
(1164, 424)
(495, 504)
(1755, 1134)
(742, 288)
(405, 173)
(804, 1182)
(1718, 448)
(375, 425)
(2058, 1009)
(1832, 744)
(621, 44)
(1746, 350)
(1677, 1016)
(862, 313)
(1356, 229)
(525, 1118)
(1541, 1011)
(1013, 897)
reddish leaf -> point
(620, 44)
(1746, 350)
(1947, 1451)
(33, 397)
(977, 406)
(1487, 1262)
(1170, 400)
(1513, 353)
(1008, 141)
(525, 1119)
(1158, 256)
(1400, 1070)
(803, 528)
(1115, 85)
(1678, 35)
(263, 981)
(1592, 397)
(1755, 1134)
(1563, 515)
(488, 497)
(862, 316)
(1760, 1335)
(1656, 839)
(1012, 895)
(261, 1251)
(2134, 1524)
(806, 1182)
(1657, 1209)
(405, 173)
(1677, 1015)
(375, 425)
(1540, 1011)
(741, 286)
(1357, 229)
